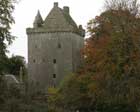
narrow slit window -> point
(59, 45)
(54, 75)
(43, 60)
(54, 86)
(34, 60)
(36, 46)
(54, 61)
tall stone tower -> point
(54, 47)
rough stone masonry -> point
(54, 46)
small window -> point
(54, 75)
(54, 61)
(35, 46)
(59, 45)
(43, 60)
(54, 86)
(34, 60)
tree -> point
(72, 95)
(6, 19)
(115, 53)
(16, 64)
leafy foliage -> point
(115, 47)
(19, 98)
(16, 63)
(6, 19)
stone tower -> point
(54, 47)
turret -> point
(82, 31)
(38, 20)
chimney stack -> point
(66, 9)
(55, 4)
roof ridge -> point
(66, 17)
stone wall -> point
(52, 56)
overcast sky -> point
(81, 11)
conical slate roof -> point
(38, 20)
